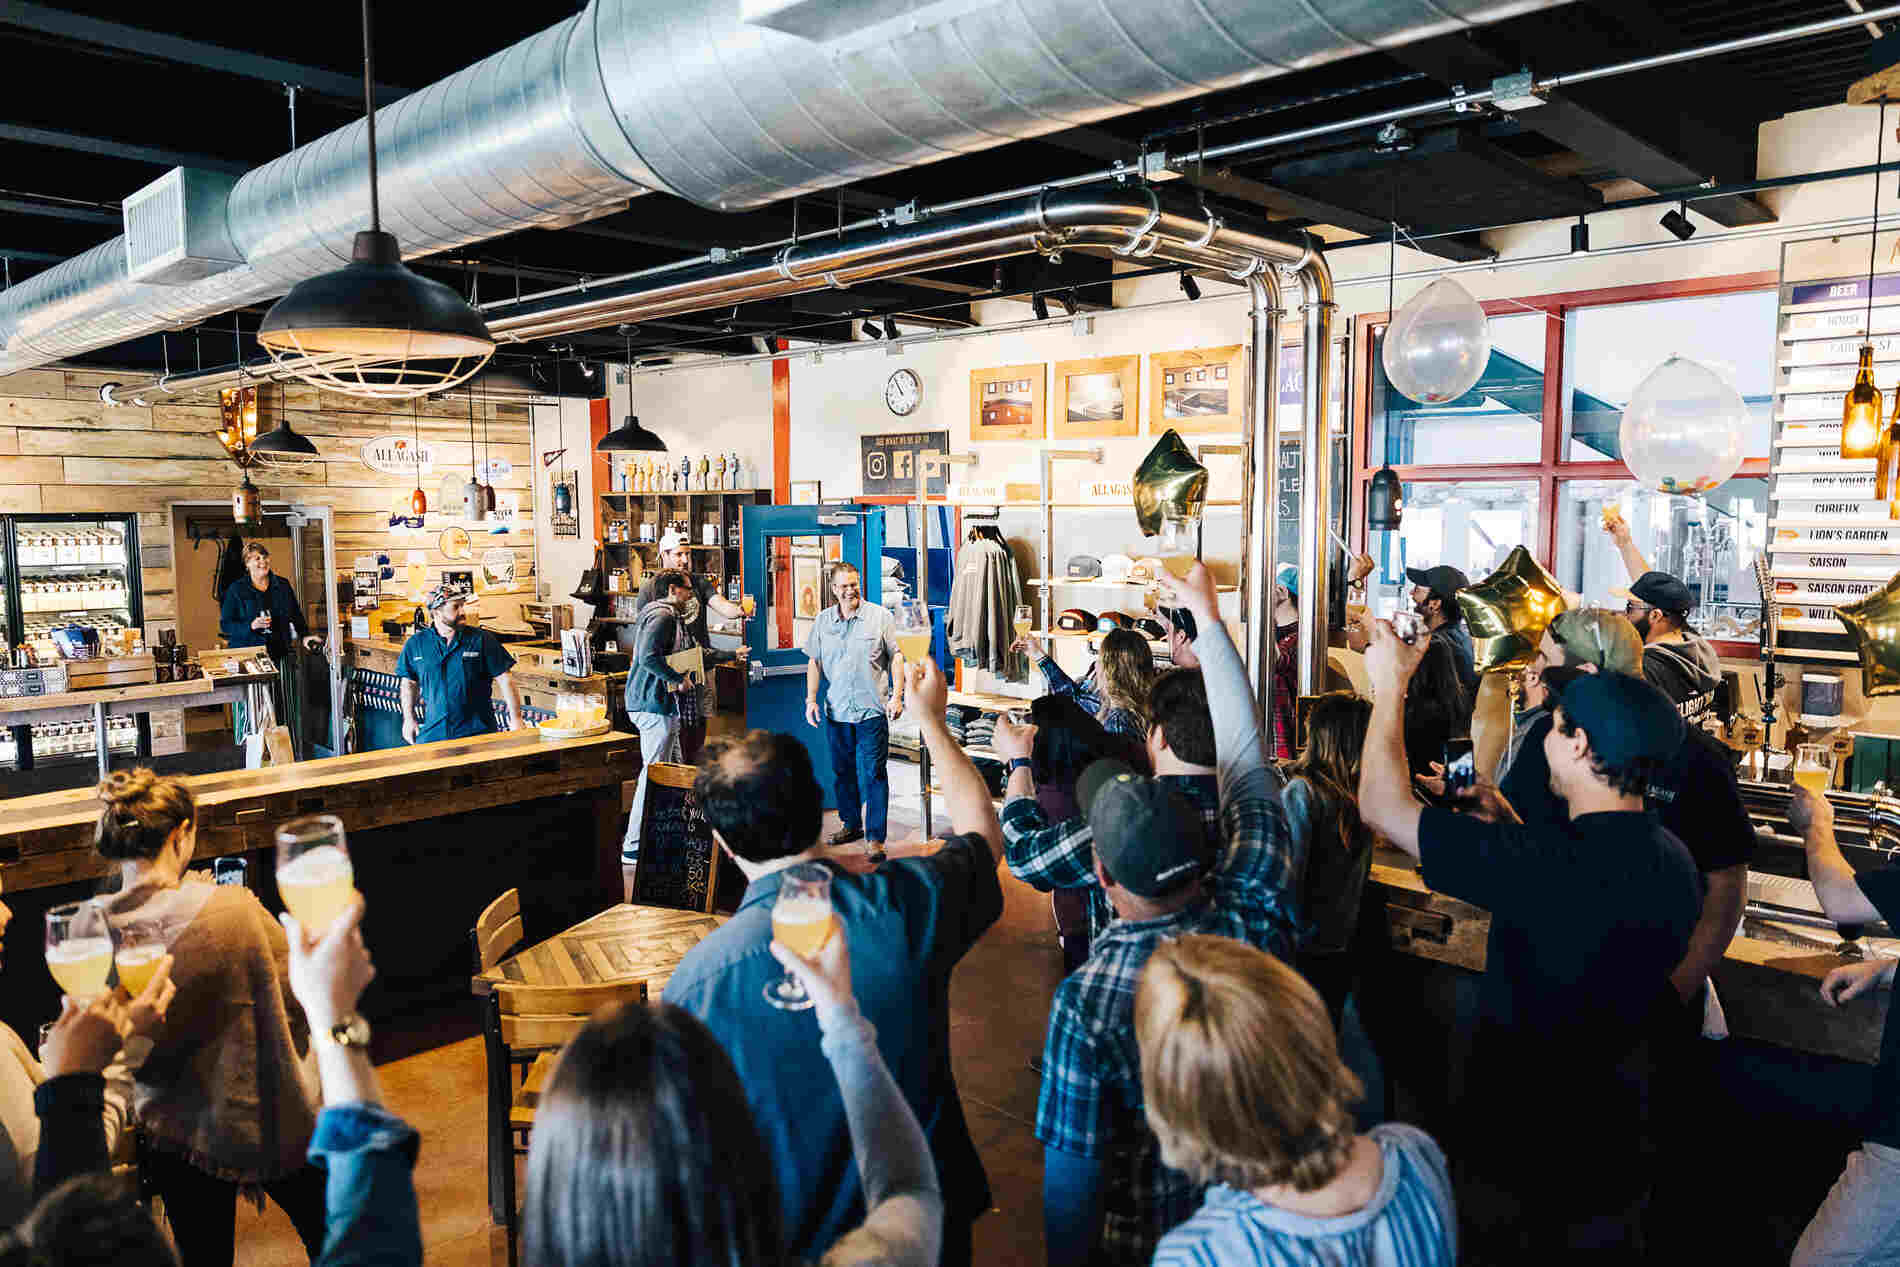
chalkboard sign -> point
(676, 845)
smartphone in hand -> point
(1461, 770)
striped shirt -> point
(1410, 1222)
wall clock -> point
(903, 392)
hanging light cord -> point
(1873, 229)
(369, 116)
(1391, 295)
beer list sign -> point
(1829, 541)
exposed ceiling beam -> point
(62, 211)
(172, 48)
(52, 138)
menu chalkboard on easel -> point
(677, 852)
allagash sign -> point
(399, 455)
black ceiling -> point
(100, 115)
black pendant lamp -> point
(630, 436)
(386, 331)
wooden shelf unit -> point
(718, 564)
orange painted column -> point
(599, 420)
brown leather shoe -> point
(845, 835)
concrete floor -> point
(432, 1074)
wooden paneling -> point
(63, 451)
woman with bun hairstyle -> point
(228, 1096)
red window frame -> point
(1550, 468)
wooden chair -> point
(498, 933)
(535, 1021)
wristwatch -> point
(351, 1031)
(1021, 763)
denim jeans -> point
(859, 751)
(659, 732)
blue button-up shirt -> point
(457, 679)
(854, 655)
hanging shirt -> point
(457, 680)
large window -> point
(1530, 455)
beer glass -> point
(141, 946)
(802, 921)
(79, 949)
(314, 876)
(1814, 767)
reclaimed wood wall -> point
(62, 450)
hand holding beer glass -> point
(79, 949)
(802, 921)
(314, 875)
(1814, 767)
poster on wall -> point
(1198, 391)
(807, 593)
(889, 465)
(1006, 403)
(1100, 396)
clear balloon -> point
(1682, 430)
(1438, 344)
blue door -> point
(788, 553)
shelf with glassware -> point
(625, 517)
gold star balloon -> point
(1169, 476)
(1508, 610)
(1874, 622)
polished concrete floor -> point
(432, 1074)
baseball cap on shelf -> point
(672, 541)
(1625, 718)
(1117, 567)
(1109, 622)
(1147, 835)
(1661, 591)
(1150, 628)
(1443, 581)
(1075, 620)
(1084, 567)
(1601, 637)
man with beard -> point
(1435, 599)
(1676, 660)
(454, 671)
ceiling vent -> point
(175, 228)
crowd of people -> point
(1195, 1106)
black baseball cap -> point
(1661, 591)
(1148, 837)
(1443, 581)
(1625, 717)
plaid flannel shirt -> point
(1046, 855)
(1088, 693)
(1285, 716)
(1091, 1102)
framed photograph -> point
(1097, 397)
(807, 592)
(807, 492)
(1006, 403)
(1198, 390)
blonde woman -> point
(1245, 1090)
(1114, 690)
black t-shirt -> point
(1588, 919)
(1882, 888)
(1701, 804)
(1457, 639)
(702, 589)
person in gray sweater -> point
(653, 688)
(646, 1151)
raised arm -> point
(968, 796)
(1633, 560)
(1385, 777)
(1831, 873)
(1241, 759)
(903, 1226)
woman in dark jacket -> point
(262, 610)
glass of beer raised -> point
(802, 921)
(79, 949)
(314, 876)
(1814, 767)
(141, 946)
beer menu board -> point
(1829, 541)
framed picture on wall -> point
(1199, 390)
(807, 593)
(807, 492)
(1006, 403)
(1100, 396)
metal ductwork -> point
(728, 103)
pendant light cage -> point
(397, 378)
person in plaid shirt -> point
(1107, 1197)
(1060, 855)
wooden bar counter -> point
(436, 831)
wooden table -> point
(622, 943)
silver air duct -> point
(728, 103)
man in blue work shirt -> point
(851, 646)
(455, 671)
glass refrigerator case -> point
(62, 570)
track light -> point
(1580, 237)
(1677, 222)
(1190, 287)
(890, 328)
(1039, 306)
(872, 332)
